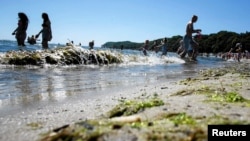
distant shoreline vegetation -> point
(212, 43)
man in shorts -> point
(190, 46)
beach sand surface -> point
(184, 96)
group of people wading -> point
(21, 34)
(188, 46)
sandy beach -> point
(202, 99)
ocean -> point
(27, 85)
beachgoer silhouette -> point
(190, 45)
(21, 29)
(181, 47)
(154, 46)
(239, 50)
(164, 46)
(145, 47)
(46, 31)
(91, 44)
(32, 40)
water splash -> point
(76, 55)
(59, 56)
(151, 59)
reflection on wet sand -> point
(30, 86)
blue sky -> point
(122, 20)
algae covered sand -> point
(179, 112)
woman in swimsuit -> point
(20, 31)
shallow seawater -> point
(22, 86)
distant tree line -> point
(212, 43)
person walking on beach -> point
(91, 44)
(181, 47)
(122, 47)
(164, 47)
(154, 47)
(46, 31)
(190, 45)
(145, 47)
(21, 29)
(238, 50)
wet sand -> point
(28, 124)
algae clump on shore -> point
(130, 107)
(228, 97)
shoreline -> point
(29, 125)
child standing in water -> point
(154, 46)
(163, 46)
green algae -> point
(214, 72)
(241, 69)
(35, 125)
(217, 95)
(182, 118)
(231, 97)
(169, 126)
(221, 120)
(221, 94)
(187, 81)
(130, 107)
